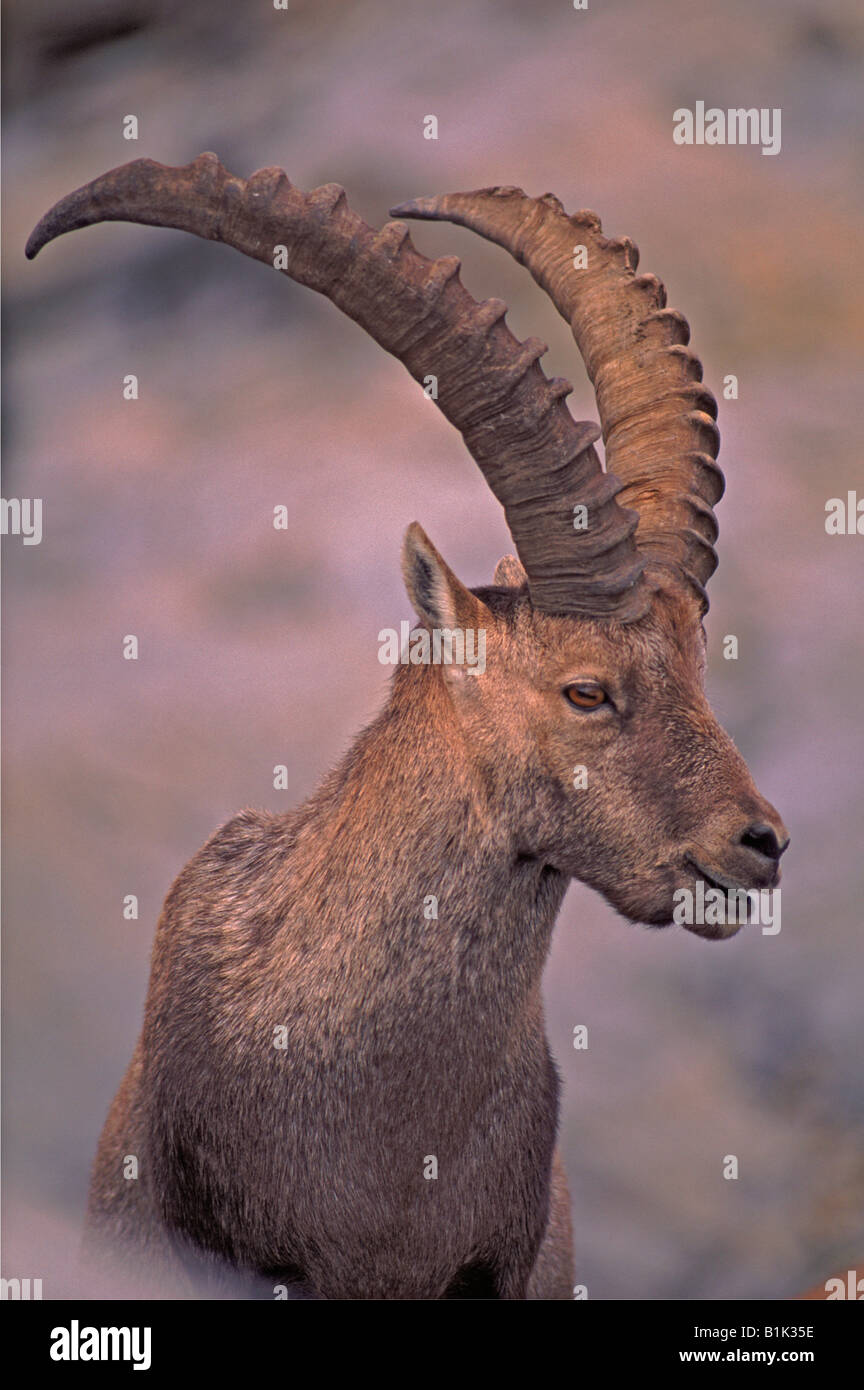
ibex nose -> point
(763, 840)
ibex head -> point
(595, 649)
(597, 740)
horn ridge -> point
(635, 352)
(515, 423)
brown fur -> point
(409, 1036)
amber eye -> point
(585, 694)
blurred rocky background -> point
(258, 647)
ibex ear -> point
(509, 573)
(439, 598)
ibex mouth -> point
(720, 906)
(725, 885)
(713, 879)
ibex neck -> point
(421, 867)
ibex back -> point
(343, 1083)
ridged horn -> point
(658, 419)
(537, 460)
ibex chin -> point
(346, 999)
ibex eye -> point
(586, 695)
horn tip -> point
(35, 242)
(416, 207)
(46, 230)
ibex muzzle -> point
(343, 1083)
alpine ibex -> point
(406, 1036)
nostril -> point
(763, 839)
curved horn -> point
(537, 460)
(658, 420)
